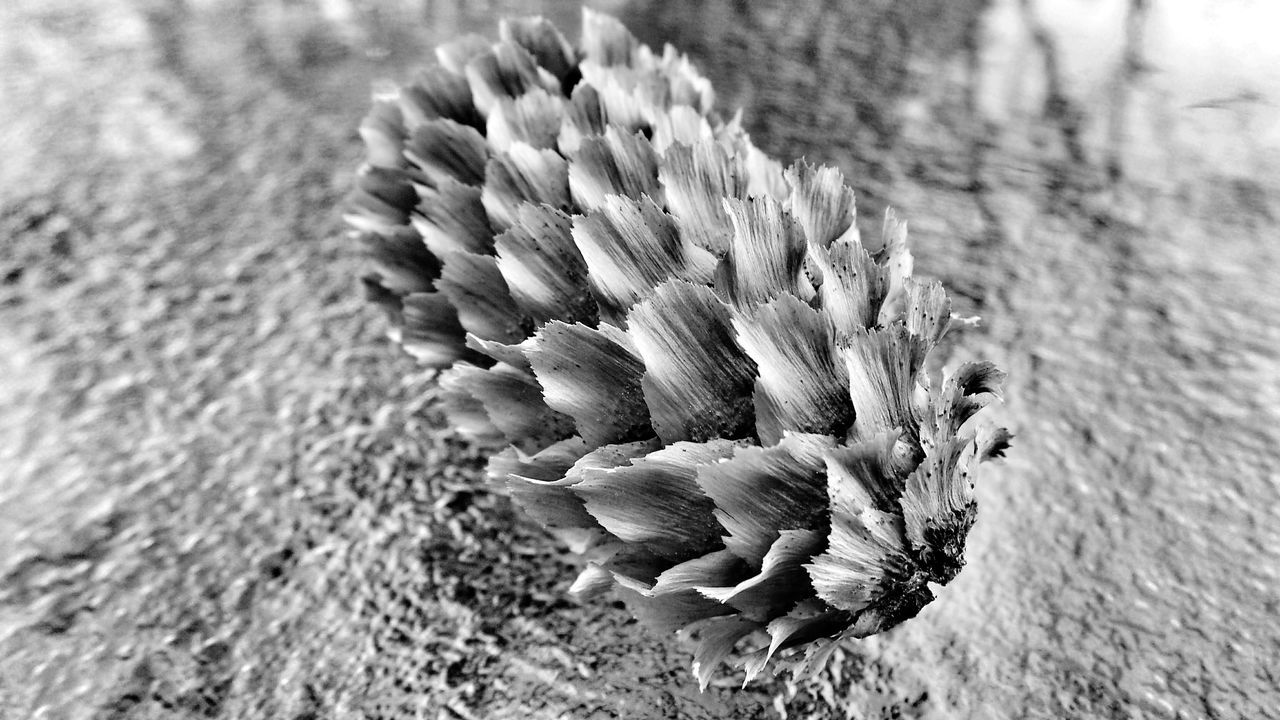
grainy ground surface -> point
(223, 495)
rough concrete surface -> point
(224, 494)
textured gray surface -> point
(220, 498)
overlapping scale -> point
(705, 382)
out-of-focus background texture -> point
(224, 494)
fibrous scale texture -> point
(703, 379)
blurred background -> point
(224, 494)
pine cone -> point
(705, 382)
